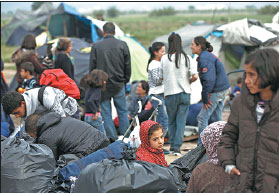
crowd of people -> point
(243, 153)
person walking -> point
(154, 69)
(113, 57)
(178, 74)
(215, 83)
(248, 147)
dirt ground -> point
(186, 146)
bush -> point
(268, 9)
(112, 12)
(161, 12)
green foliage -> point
(162, 12)
(98, 13)
(112, 12)
(268, 9)
(36, 5)
(6, 52)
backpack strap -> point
(41, 94)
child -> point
(154, 69)
(152, 141)
(248, 147)
(26, 71)
(237, 89)
(96, 81)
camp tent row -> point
(66, 21)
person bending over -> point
(65, 135)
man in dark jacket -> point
(113, 57)
(65, 135)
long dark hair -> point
(175, 47)
(29, 42)
(205, 45)
(265, 62)
(156, 46)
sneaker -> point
(171, 150)
(177, 153)
(166, 151)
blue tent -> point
(67, 21)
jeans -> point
(177, 109)
(162, 117)
(120, 104)
(215, 112)
(98, 124)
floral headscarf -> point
(145, 152)
(210, 138)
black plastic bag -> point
(125, 176)
(182, 167)
(26, 167)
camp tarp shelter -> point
(187, 34)
(233, 41)
(26, 22)
(67, 21)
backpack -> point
(58, 79)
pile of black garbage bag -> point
(28, 167)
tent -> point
(67, 21)
(233, 41)
(26, 22)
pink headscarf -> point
(210, 138)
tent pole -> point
(65, 26)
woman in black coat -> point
(62, 58)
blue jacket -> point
(212, 75)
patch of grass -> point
(6, 52)
(145, 28)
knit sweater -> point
(208, 178)
(177, 80)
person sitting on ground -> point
(26, 72)
(96, 82)
(65, 135)
(152, 142)
(237, 89)
(148, 106)
(23, 105)
(210, 176)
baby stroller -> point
(134, 137)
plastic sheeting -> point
(26, 167)
(182, 167)
(129, 176)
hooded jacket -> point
(67, 135)
(256, 155)
(53, 99)
(145, 152)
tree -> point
(269, 9)
(98, 14)
(191, 7)
(112, 12)
(164, 11)
(37, 4)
